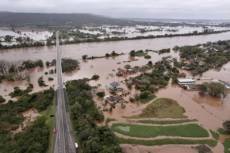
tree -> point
(226, 126)
(203, 88)
(147, 57)
(8, 38)
(95, 77)
(107, 55)
(2, 100)
(132, 53)
(84, 57)
(101, 94)
(145, 95)
(114, 53)
(69, 65)
(41, 82)
(216, 89)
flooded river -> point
(100, 48)
(209, 112)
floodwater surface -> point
(210, 112)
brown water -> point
(100, 48)
(162, 149)
(210, 112)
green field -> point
(227, 146)
(209, 142)
(147, 131)
(162, 108)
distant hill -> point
(56, 19)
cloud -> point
(193, 9)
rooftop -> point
(185, 80)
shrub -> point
(2, 100)
(101, 94)
(95, 77)
(226, 126)
(41, 82)
(216, 89)
(69, 65)
(50, 79)
(32, 64)
(84, 57)
(132, 53)
(147, 56)
(19, 92)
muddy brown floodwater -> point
(100, 48)
(162, 149)
(209, 112)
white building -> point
(185, 81)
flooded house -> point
(113, 99)
(114, 86)
(125, 72)
(186, 83)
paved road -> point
(64, 142)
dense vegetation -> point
(214, 89)
(134, 53)
(200, 58)
(69, 65)
(145, 96)
(84, 115)
(32, 64)
(158, 78)
(10, 116)
(162, 51)
(19, 92)
(36, 136)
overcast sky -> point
(180, 9)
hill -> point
(57, 19)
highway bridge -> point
(64, 139)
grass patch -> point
(215, 134)
(209, 142)
(222, 131)
(165, 121)
(163, 108)
(227, 146)
(145, 99)
(137, 53)
(146, 131)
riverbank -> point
(50, 43)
